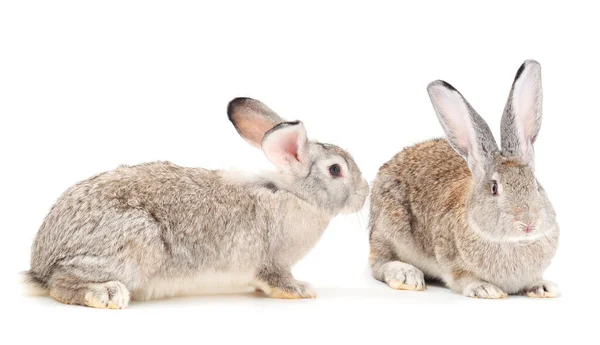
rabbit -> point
(462, 211)
(158, 230)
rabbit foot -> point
(484, 290)
(402, 276)
(109, 295)
(542, 289)
(298, 290)
(281, 284)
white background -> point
(87, 86)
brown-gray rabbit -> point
(157, 230)
(463, 211)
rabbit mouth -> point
(529, 227)
(355, 205)
(357, 200)
(533, 235)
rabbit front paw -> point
(542, 289)
(281, 284)
(401, 276)
(298, 290)
(484, 290)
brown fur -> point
(462, 210)
(419, 204)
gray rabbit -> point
(157, 230)
(463, 211)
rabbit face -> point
(506, 202)
(334, 182)
(511, 204)
(324, 175)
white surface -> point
(85, 87)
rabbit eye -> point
(335, 170)
(494, 188)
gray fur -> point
(431, 217)
(477, 153)
(153, 230)
(485, 143)
(514, 143)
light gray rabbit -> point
(157, 230)
(463, 211)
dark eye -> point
(335, 170)
(494, 188)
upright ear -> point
(252, 119)
(522, 116)
(466, 131)
(286, 146)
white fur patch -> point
(261, 285)
(510, 239)
(201, 283)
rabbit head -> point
(506, 200)
(321, 174)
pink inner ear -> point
(290, 146)
(286, 148)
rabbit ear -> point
(522, 116)
(286, 146)
(466, 131)
(252, 119)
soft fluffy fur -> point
(157, 230)
(433, 213)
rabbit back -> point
(152, 222)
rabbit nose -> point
(528, 222)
